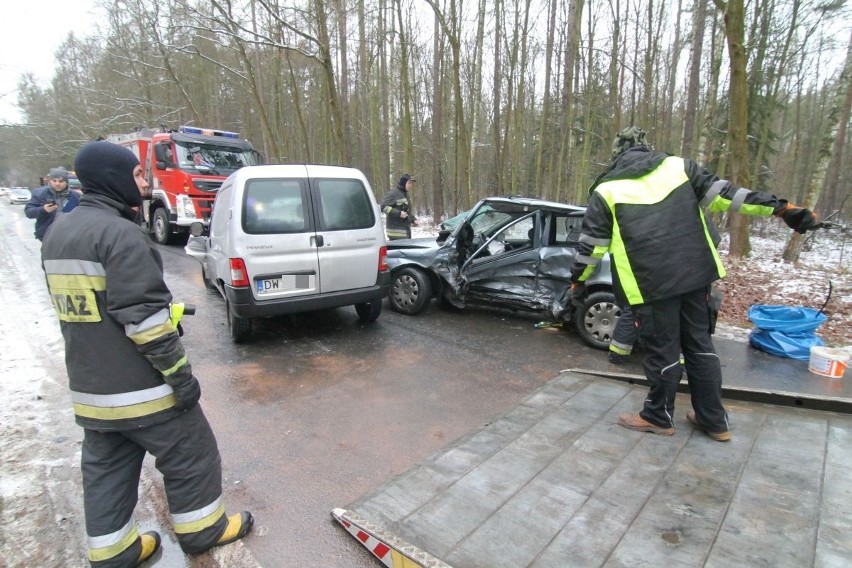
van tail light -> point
(239, 274)
(383, 259)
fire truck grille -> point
(205, 206)
(207, 185)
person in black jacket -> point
(647, 211)
(132, 386)
(50, 201)
(397, 209)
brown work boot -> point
(239, 526)
(150, 546)
(718, 436)
(636, 422)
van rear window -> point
(344, 205)
(274, 206)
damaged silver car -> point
(507, 252)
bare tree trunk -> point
(669, 106)
(738, 124)
(437, 124)
(542, 181)
(331, 93)
(692, 90)
(452, 30)
(572, 45)
(705, 145)
(829, 141)
(343, 50)
(497, 104)
(405, 94)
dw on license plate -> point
(283, 283)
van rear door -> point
(279, 238)
(348, 227)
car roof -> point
(296, 170)
(533, 203)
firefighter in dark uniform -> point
(132, 386)
(397, 209)
(647, 211)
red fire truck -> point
(185, 168)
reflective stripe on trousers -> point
(187, 456)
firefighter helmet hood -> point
(106, 169)
(628, 138)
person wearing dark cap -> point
(647, 209)
(50, 201)
(132, 387)
(397, 209)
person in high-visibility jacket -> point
(132, 386)
(647, 211)
(396, 206)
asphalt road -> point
(319, 408)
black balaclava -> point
(104, 168)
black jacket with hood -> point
(105, 279)
(648, 211)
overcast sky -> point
(30, 32)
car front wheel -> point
(162, 228)
(596, 320)
(410, 291)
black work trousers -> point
(682, 324)
(188, 457)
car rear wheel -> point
(239, 328)
(410, 291)
(596, 320)
(369, 311)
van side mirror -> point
(197, 229)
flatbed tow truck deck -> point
(555, 482)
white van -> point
(293, 238)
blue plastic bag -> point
(795, 346)
(788, 319)
(785, 331)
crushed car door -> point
(503, 270)
(561, 236)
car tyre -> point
(596, 320)
(207, 282)
(162, 230)
(238, 327)
(369, 312)
(410, 291)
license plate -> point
(283, 283)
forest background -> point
(473, 97)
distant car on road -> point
(507, 252)
(18, 195)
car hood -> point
(419, 243)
